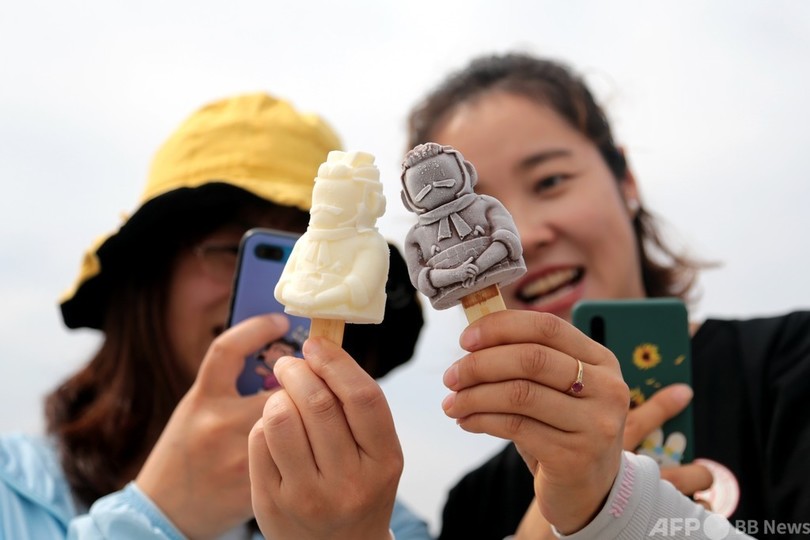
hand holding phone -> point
(262, 256)
(650, 338)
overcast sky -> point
(709, 98)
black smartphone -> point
(262, 256)
(650, 338)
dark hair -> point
(550, 83)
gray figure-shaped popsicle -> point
(463, 242)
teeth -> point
(548, 283)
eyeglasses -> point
(218, 260)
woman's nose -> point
(534, 226)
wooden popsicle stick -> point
(331, 329)
(487, 300)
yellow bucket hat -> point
(254, 142)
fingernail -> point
(450, 378)
(448, 401)
(682, 393)
(281, 363)
(278, 318)
(311, 346)
(470, 338)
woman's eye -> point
(549, 182)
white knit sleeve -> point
(641, 505)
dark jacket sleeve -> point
(489, 502)
(752, 413)
(783, 400)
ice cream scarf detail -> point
(449, 212)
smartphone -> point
(262, 256)
(650, 338)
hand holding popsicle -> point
(464, 244)
(328, 431)
(337, 270)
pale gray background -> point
(708, 97)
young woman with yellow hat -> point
(149, 439)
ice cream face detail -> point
(338, 268)
(463, 242)
(432, 183)
(347, 192)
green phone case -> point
(650, 338)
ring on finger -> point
(577, 386)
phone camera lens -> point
(598, 329)
(269, 252)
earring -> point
(633, 206)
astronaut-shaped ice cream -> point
(463, 242)
(338, 268)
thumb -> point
(225, 358)
(650, 415)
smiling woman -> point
(543, 147)
(548, 154)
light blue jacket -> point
(36, 503)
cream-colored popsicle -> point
(463, 244)
(337, 270)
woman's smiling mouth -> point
(549, 285)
